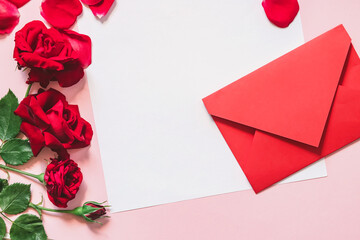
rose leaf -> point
(16, 151)
(15, 198)
(28, 227)
(9, 122)
(3, 184)
(2, 228)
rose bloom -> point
(51, 54)
(48, 120)
(62, 179)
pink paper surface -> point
(326, 208)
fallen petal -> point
(281, 12)
(19, 3)
(61, 14)
(90, 2)
(102, 8)
(9, 17)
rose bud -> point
(62, 180)
(92, 211)
(49, 120)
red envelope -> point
(293, 111)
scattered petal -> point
(90, 2)
(281, 12)
(102, 8)
(61, 14)
(19, 3)
(9, 17)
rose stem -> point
(28, 90)
(72, 211)
(39, 177)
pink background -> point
(326, 208)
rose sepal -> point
(87, 210)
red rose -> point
(51, 54)
(62, 180)
(48, 120)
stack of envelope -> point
(293, 111)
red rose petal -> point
(39, 117)
(24, 37)
(19, 3)
(58, 126)
(55, 145)
(102, 8)
(61, 14)
(9, 17)
(85, 130)
(281, 12)
(41, 76)
(81, 44)
(90, 2)
(34, 60)
(71, 75)
(49, 98)
(36, 138)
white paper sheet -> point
(153, 62)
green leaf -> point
(16, 151)
(3, 184)
(27, 227)
(15, 198)
(2, 228)
(9, 122)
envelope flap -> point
(290, 96)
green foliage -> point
(2, 228)
(27, 227)
(3, 184)
(16, 151)
(15, 198)
(9, 122)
